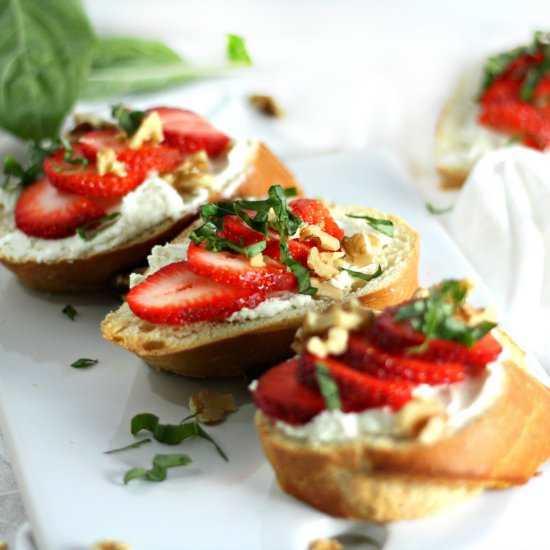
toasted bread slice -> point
(459, 140)
(230, 348)
(94, 270)
(388, 479)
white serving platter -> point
(57, 421)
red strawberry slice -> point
(85, 180)
(364, 356)
(396, 336)
(190, 133)
(236, 231)
(98, 140)
(315, 212)
(358, 391)
(175, 295)
(299, 250)
(501, 90)
(235, 269)
(45, 212)
(160, 158)
(279, 395)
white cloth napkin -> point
(501, 220)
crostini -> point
(502, 103)
(229, 292)
(94, 204)
(401, 414)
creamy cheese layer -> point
(152, 203)
(462, 402)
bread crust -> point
(395, 481)
(216, 349)
(97, 270)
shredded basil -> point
(328, 387)
(70, 312)
(378, 224)
(134, 445)
(364, 276)
(84, 363)
(161, 463)
(91, 229)
(236, 50)
(126, 119)
(434, 316)
(171, 434)
(434, 210)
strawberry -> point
(236, 231)
(358, 390)
(85, 180)
(175, 295)
(364, 356)
(190, 133)
(97, 140)
(160, 158)
(500, 91)
(299, 250)
(235, 269)
(279, 395)
(45, 212)
(396, 336)
(314, 212)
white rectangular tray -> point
(57, 421)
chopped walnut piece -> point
(257, 260)
(192, 173)
(211, 406)
(473, 316)
(357, 249)
(422, 419)
(322, 239)
(325, 544)
(326, 289)
(111, 545)
(266, 105)
(335, 343)
(347, 316)
(108, 163)
(325, 264)
(3, 546)
(150, 129)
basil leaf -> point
(161, 463)
(91, 229)
(44, 59)
(127, 120)
(84, 363)
(70, 312)
(328, 387)
(208, 233)
(134, 445)
(69, 154)
(434, 210)
(236, 50)
(364, 276)
(378, 224)
(171, 434)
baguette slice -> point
(406, 480)
(459, 140)
(230, 348)
(95, 270)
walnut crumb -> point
(358, 250)
(194, 172)
(322, 239)
(325, 544)
(107, 163)
(325, 265)
(335, 343)
(257, 260)
(111, 545)
(3, 545)
(211, 406)
(326, 289)
(266, 105)
(150, 129)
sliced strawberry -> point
(315, 212)
(397, 336)
(501, 90)
(85, 180)
(279, 395)
(45, 212)
(235, 269)
(366, 357)
(160, 158)
(299, 250)
(190, 133)
(236, 231)
(358, 391)
(175, 295)
(97, 140)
